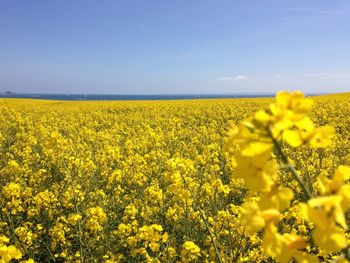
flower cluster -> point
(148, 181)
(257, 147)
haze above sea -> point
(82, 97)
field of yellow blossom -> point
(222, 180)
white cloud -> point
(279, 76)
(314, 82)
(240, 77)
(234, 78)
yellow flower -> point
(305, 258)
(4, 239)
(253, 167)
(190, 251)
(12, 190)
(282, 247)
(73, 219)
(301, 133)
(322, 137)
(326, 212)
(292, 104)
(278, 198)
(7, 253)
(253, 219)
(337, 185)
(330, 239)
(96, 217)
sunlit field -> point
(174, 181)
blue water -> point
(132, 97)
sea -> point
(87, 97)
(81, 97)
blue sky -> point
(174, 46)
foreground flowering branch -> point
(255, 147)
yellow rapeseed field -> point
(222, 180)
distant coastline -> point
(89, 97)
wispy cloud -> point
(310, 82)
(245, 77)
(279, 76)
(234, 78)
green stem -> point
(308, 176)
(291, 168)
(346, 252)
